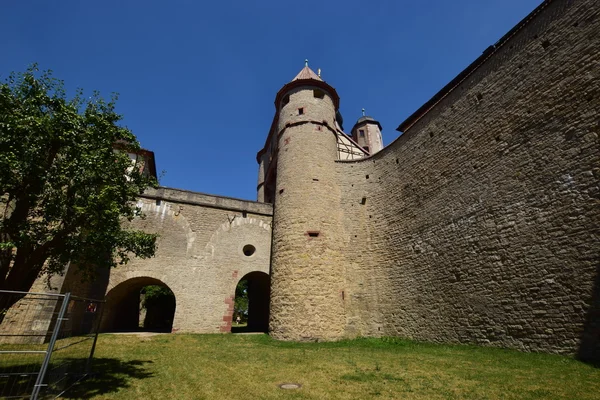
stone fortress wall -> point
(480, 224)
(200, 257)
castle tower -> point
(367, 133)
(307, 290)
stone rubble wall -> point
(480, 224)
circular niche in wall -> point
(249, 250)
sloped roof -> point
(301, 80)
(366, 118)
(307, 73)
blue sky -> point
(197, 79)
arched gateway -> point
(128, 309)
(206, 245)
(257, 288)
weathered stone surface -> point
(480, 223)
(199, 255)
(308, 271)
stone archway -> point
(122, 311)
(259, 292)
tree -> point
(67, 182)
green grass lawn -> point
(182, 366)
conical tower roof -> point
(307, 73)
(305, 77)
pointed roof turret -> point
(307, 73)
(307, 77)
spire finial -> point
(319, 72)
(306, 62)
(363, 111)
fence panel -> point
(46, 342)
(73, 350)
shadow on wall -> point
(589, 349)
(91, 283)
(126, 312)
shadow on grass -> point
(108, 376)
(589, 348)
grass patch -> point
(186, 366)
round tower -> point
(307, 281)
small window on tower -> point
(366, 148)
(285, 100)
(319, 94)
(361, 133)
(300, 111)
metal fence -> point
(47, 342)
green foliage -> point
(155, 295)
(240, 306)
(67, 182)
(159, 302)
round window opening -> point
(249, 250)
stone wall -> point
(199, 255)
(34, 315)
(480, 223)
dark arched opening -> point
(251, 303)
(139, 304)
